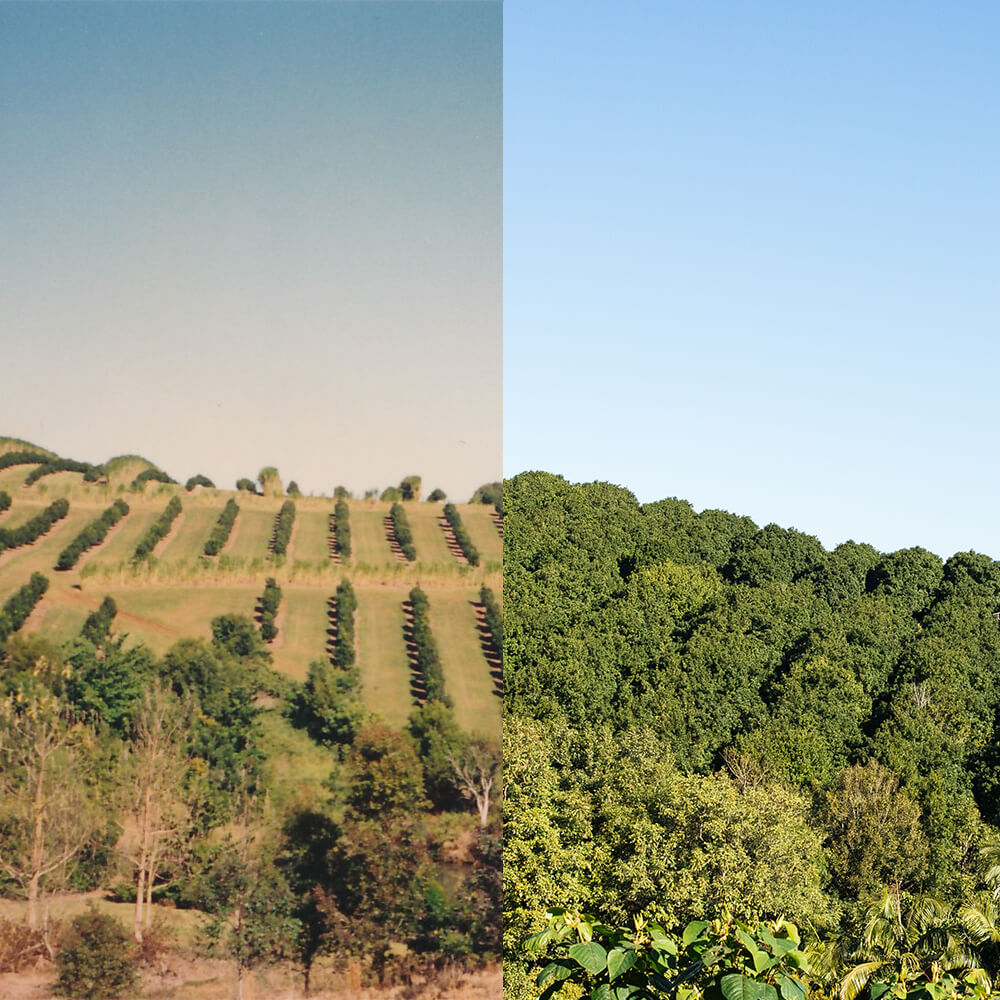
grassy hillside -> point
(177, 591)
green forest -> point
(737, 764)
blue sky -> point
(751, 260)
(249, 234)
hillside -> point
(263, 728)
(177, 591)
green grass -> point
(302, 624)
(382, 662)
(159, 616)
(483, 532)
(428, 538)
(120, 544)
(296, 767)
(310, 535)
(368, 542)
(194, 525)
(252, 530)
(17, 565)
(466, 674)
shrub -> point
(283, 528)
(97, 960)
(25, 534)
(342, 527)
(4, 501)
(223, 528)
(391, 493)
(437, 496)
(199, 480)
(157, 530)
(428, 659)
(461, 535)
(342, 493)
(92, 535)
(151, 476)
(21, 947)
(293, 489)
(401, 528)
(246, 485)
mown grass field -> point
(179, 591)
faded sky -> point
(238, 235)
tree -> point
(409, 488)
(293, 489)
(477, 768)
(437, 495)
(246, 485)
(96, 962)
(45, 811)
(391, 493)
(154, 772)
(270, 481)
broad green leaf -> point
(602, 992)
(693, 931)
(762, 961)
(557, 971)
(737, 987)
(590, 955)
(620, 961)
(791, 989)
(538, 941)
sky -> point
(252, 234)
(751, 259)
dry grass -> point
(385, 670)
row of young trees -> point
(93, 534)
(427, 656)
(35, 527)
(158, 530)
(269, 602)
(342, 528)
(494, 617)
(91, 473)
(20, 604)
(402, 531)
(469, 550)
(223, 528)
(283, 528)
(97, 626)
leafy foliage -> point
(342, 527)
(20, 604)
(283, 528)
(428, 658)
(198, 480)
(97, 959)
